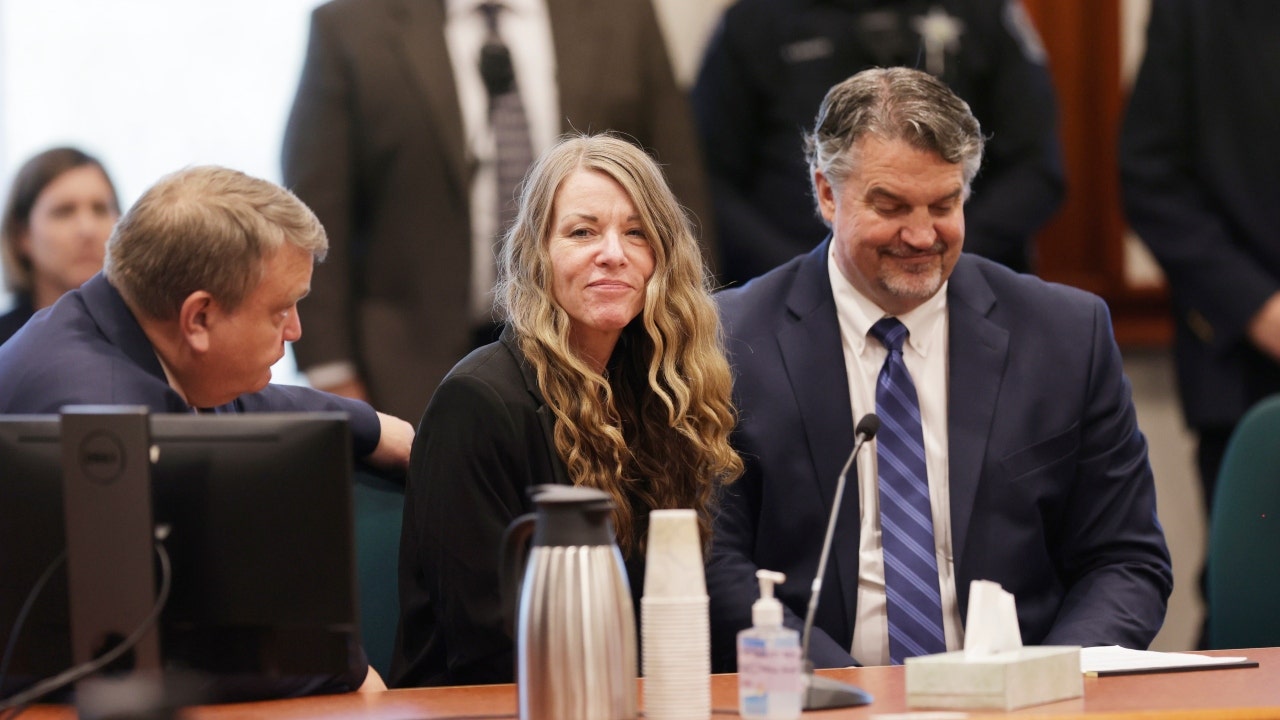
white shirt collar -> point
(172, 379)
(858, 312)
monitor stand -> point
(110, 557)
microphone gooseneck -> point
(848, 695)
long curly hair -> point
(652, 431)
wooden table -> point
(1235, 694)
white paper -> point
(992, 625)
(1114, 657)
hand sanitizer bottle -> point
(770, 681)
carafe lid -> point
(569, 515)
(569, 494)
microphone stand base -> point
(822, 693)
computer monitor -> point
(258, 508)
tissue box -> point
(1000, 681)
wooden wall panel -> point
(1084, 244)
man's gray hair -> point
(893, 104)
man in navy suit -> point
(1037, 474)
(195, 303)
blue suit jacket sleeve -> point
(731, 578)
(1109, 547)
(366, 429)
(1051, 490)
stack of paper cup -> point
(675, 634)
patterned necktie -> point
(906, 521)
(513, 148)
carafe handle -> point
(515, 555)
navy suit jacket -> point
(1051, 491)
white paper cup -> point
(676, 657)
(673, 560)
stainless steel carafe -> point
(575, 626)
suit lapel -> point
(978, 350)
(813, 357)
(418, 29)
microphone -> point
(822, 693)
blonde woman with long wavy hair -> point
(610, 374)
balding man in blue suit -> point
(1035, 474)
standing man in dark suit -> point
(390, 143)
(1200, 165)
(1026, 460)
(771, 61)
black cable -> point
(85, 669)
(12, 644)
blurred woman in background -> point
(61, 209)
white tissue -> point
(992, 626)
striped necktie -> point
(513, 150)
(906, 521)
